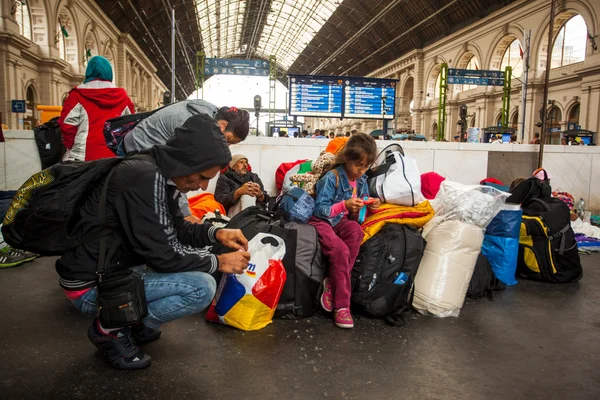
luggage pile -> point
(430, 244)
(424, 249)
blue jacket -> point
(328, 194)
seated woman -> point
(239, 188)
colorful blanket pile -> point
(416, 216)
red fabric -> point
(204, 203)
(491, 180)
(430, 184)
(75, 294)
(100, 105)
(282, 170)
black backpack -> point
(395, 249)
(483, 282)
(49, 143)
(46, 207)
(303, 261)
(547, 247)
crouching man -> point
(142, 209)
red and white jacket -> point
(83, 115)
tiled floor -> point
(534, 341)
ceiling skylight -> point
(220, 24)
(289, 27)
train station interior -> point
(483, 94)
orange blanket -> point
(416, 216)
(203, 203)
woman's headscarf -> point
(98, 68)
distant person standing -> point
(283, 133)
(331, 135)
(536, 139)
(87, 107)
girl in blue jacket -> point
(339, 193)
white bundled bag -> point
(446, 267)
(473, 204)
(396, 178)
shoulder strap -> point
(102, 256)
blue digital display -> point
(342, 97)
(369, 98)
(315, 96)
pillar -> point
(419, 91)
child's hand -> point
(375, 204)
(353, 205)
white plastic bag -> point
(248, 300)
(447, 265)
(473, 204)
(400, 185)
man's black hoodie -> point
(142, 207)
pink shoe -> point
(327, 296)
(343, 318)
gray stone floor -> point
(534, 341)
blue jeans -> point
(169, 296)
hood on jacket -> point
(196, 146)
(107, 97)
(98, 68)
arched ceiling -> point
(325, 37)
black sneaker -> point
(143, 334)
(118, 348)
(11, 257)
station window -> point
(570, 43)
(23, 18)
(60, 39)
(512, 58)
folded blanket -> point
(416, 216)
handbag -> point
(395, 179)
(121, 297)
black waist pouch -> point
(121, 300)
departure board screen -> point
(319, 96)
(342, 97)
(369, 98)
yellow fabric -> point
(249, 314)
(525, 239)
(385, 215)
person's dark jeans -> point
(6, 198)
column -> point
(419, 92)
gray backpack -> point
(303, 283)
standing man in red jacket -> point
(86, 109)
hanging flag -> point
(521, 52)
(476, 67)
(64, 30)
(88, 53)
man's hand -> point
(255, 190)
(353, 205)
(375, 205)
(232, 238)
(234, 263)
(245, 189)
